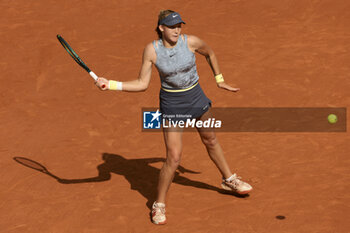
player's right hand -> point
(102, 83)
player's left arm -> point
(195, 44)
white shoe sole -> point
(228, 188)
(159, 223)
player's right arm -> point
(142, 83)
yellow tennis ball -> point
(332, 118)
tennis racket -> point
(34, 165)
(76, 58)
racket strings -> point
(30, 163)
(72, 53)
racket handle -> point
(95, 77)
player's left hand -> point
(227, 87)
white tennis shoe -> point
(236, 185)
(158, 213)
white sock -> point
(160, 204)
(231, 177)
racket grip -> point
(93, 75)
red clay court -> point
(280, 53)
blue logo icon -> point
(151, 120)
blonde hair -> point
(162, 15)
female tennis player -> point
(173, 54)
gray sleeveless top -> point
(176, 66)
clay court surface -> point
(281, 53)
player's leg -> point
(173, 143)
(213, 147)
(230, 181)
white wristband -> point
(120, 86)
(115, 85)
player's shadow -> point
(141, 176)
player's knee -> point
(210, 141)
(174, 157)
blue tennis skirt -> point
(188, 104)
